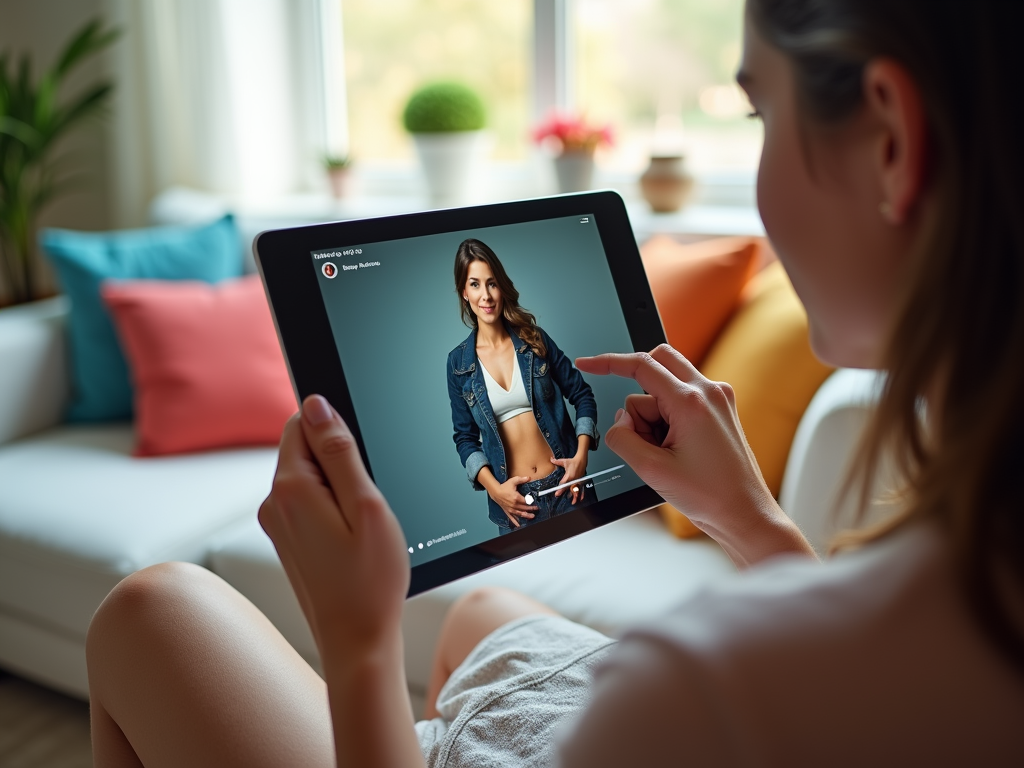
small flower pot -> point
(340, 180)
(574, 171)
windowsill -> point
(722, 204)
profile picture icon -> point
(329, 270)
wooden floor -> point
(40, 728)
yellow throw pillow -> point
(765, 354)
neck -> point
(490, 335)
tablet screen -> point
(434, 418)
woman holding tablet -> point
(890, 186)
(508, 383)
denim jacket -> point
(549, 383)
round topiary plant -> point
(444, 107)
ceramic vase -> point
(574, 171)
(666, 184)
(453, 164)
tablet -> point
(370, 316)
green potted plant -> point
(447, 120)
(338, 169)
(32, 122)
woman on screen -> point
(508, 383)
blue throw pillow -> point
(101, 387)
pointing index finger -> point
(639, 366)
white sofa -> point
(78, 513)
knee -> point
(484, 609)
(143, 603)
(481, 599)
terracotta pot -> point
(575, 171)
(666, 185)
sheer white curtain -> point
(236, 97)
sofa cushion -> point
(765, 354)
(697, 286)
(101, 390)
(206, 366)
(78, 513)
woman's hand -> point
(340, 544)
(345, 555)
(684, 439)
(575, 467)
(508, 497)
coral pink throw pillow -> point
(205, 362)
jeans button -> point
(547, 434)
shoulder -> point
(464, 348)
(789, 600)
(788, 654)
(548, 341)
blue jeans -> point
(548, 505)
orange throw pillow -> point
(205, 362)
(765, 354)
(697, 286)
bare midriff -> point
(527, 453)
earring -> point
(885, 208)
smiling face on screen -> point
(482, 293)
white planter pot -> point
(574, 171)
(453, 164)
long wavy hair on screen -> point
(522, 322)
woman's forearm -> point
(370, 709)
(487, 479)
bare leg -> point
(470, 619)
(183, 670)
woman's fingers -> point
(650, 374)
(577, 493)
(675, 363)
(564, 464)
(337, 453)
(299, 483)
(638, 452)
(647, 417)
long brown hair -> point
(522, 322)
(958, 340)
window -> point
(662, 73)
(393, 46)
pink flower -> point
(572, 133)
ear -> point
(894, 99)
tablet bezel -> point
(296, 303)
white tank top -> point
(507, 403)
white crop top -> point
(512, 402)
